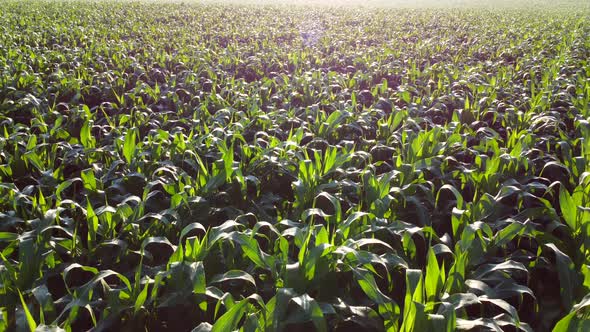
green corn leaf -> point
(571, 323)
(49, 328)
(504, 306)
(414, 317)
(129, 145)
(568, 209)
(508, 233)
(567, 276)
(234, 275)
(8, 236)
(30, 320)
(304, 247)
(188, 228)
(433, 278)
(86, 137)
(336, 206)
(456, 277)
(229, 321)
(30, 262)
(312, 310)
(414, 286)
(199, 286)
(480, 324)
(89, 180)
(578, 320)
(312, 257)
(141, 298)
(437, 323)
(252, 250)
(45, 300)
(203, 327)
(455, 192)
(585, 269)
(344, 227)
(367, 282)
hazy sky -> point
(415, 3)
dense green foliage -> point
(287, 168)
